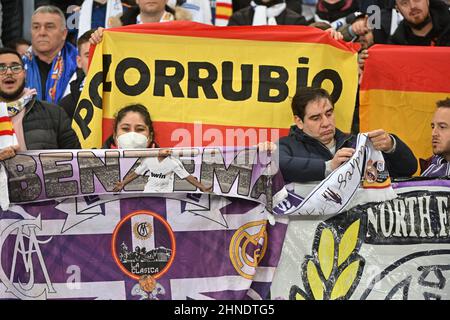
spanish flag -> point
(399, 90)
(206, 85)
(224, 10)
(7, 134)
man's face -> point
(83, 57)
(440, 132)
(11, 83)
(319, 120)
(151, 6)
(414, 11)
(47, 33)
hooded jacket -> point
(302, 158)
(438, 36)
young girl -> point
(133, 129)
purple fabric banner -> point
(67, 235)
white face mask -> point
(132, 140)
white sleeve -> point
(142, 168)
(179, 169)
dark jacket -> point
(302, 158)
(438, 36)
(69, 102)
(244, 17)
(47, 126)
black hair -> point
(443, 103)
(13, 44)
(11, 51)
(306, 95)
(139, 108)
(84, 38)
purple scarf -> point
(439, 167)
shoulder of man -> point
(399, 34)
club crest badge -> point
(247, 247)
(143, 244)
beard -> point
(14, 95)
(420, 25)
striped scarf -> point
(15, 107)
(8, 137)
(63, 67)
(439, 167)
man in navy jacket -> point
(315, 147)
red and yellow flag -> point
(399, 90)
(207, 85)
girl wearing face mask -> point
(133, 129)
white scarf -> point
(113, 9)
(343, 189)
(15, 107)
(7, 139)
(167, 16)
(8, 110)
(266, 15)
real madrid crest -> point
(142, 230)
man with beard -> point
(425, 23)
(438, 164)
(35, 124)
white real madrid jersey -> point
(161, 173)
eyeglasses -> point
(17, 68)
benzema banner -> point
(69, 235)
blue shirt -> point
(98, 15)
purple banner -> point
(67, 235)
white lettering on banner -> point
(25, 229)
(59, 175)
(410, 218)
(443, 216)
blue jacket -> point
(302, 158)
(63, 67)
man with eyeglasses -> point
(425, 23)
(29, 123)
(51, 62)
